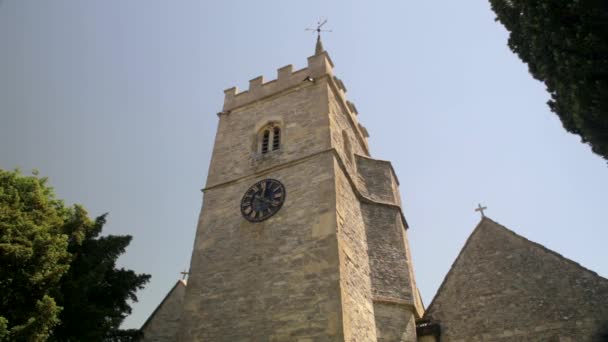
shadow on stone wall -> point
(602, 333)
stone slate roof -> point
(169, 306)
(505, 287)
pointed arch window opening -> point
(276, 138)
(270, 139)
(265, 141)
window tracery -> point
(276, 138)
(269, 138)
(265, 141)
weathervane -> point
(319, 47)
(320, 24)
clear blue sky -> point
(115, 102)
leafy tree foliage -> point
(58, 279)
(33, 257)
(565, 44)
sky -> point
(115, 102)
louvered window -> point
(276, 138)
(265, 141)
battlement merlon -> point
(318, 65)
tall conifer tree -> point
(565, 44)
(58, 275)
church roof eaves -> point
(550, 251)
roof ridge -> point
(546, 249)
(180, 281)
(518, 236)
(447, 275)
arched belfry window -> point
(276, 138)
(270, 138)
(265, 140)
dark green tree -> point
(565, 44)
(33, 257)
(58, 275)
(94, 293)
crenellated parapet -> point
(318, 71)
(318, 65)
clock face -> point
(262, 200)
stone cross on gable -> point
(481, 209)
(184, 274)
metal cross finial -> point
(320, 24)
(184, 274)
(481, 209)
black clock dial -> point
(262, 200)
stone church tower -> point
(301, 236)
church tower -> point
(301, 236)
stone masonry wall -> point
(357, 306)
(371, 237)
(377, 180)
(503, 287)
(342, 120)
(163, 324)
(395, 322)
(277, 280)
(392, 287)
(302, 114)
(390, 275)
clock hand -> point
(271, 202)
(262, 199)
(265, 200)
(265, 192)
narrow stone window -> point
(265, 141)
(348, 150)
(276, 138)
(268, 138)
